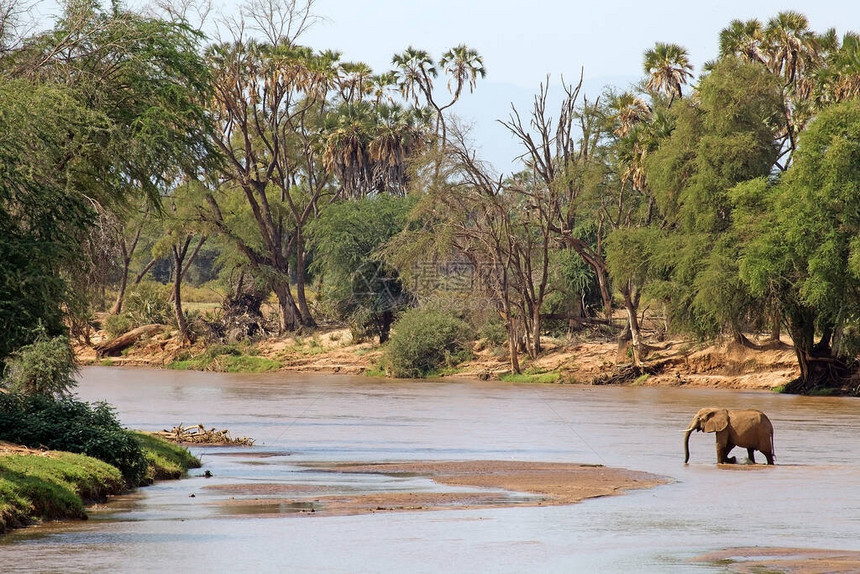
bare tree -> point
(280, 21)
(557, 155)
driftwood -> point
(198, 434)
(627, 374)
(116, 346)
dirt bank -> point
(674, 362)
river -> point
(810, 499)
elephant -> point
(750, 429)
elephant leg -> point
(751, 454)
(721, 453)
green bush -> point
(148, 303)
(45, 367)
(72, 426)
(425, 340)
(117, 325)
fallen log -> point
(115, 346)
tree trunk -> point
(605, 295)
(512, 346)
(631, 305)
(116, 346)
(181, 322)
(116, 309)
(290, 319)
(304, 311)
(818, 367)
(536, 328)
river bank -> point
(38, 485)
(760, 365)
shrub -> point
(45, 367)
(73, 426)
(117, 325)
(148, 303)
(425, 340)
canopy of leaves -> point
(804, 233)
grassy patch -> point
(226, 359)
(52, 486)
(166, 460)
(530, 377)
(57, 485)
(641, 379)
(375, 371)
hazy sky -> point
(521, 42)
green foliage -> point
(116, 325)
(73, 426)
(166, 460)
(226, 359)
(530, 377)
(629, 253)
(148, 303)
(494, 332)
(362, 288)
(41, 213)
(425, 340)
(44, 367)
(52, 487)
(802, 233)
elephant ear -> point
(717, 421)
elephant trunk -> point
(687, 444)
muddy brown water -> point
(811, 499)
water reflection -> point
(807, 500)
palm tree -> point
(792, 48)
(355, 81)
(345, 137)
(840, 78)
(399, 135)
(462, 64)
(381, 85)
(743, 39)
(415, 73)
(668, 68)
(628, 110)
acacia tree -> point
(126, 107)
(723, 136)
(801, 245)
(347, 239)
(468, 214)
(40, 220)
(267, 103)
